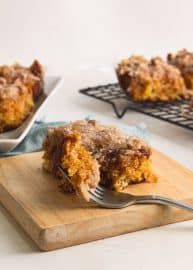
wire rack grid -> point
(179, 112)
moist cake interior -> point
(153, 80)
(91, 153)
(20, 88)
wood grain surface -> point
(55, 220)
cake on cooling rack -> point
(183, 60)
(126, 68)
(90, 153)
(20, 88)
(153, 80)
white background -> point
(69, 34)
(82, 40)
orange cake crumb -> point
(90, 154)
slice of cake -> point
(20, 88)
(153, 80)
(183, 60)
(90, 153)
(126, 69)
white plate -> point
(10, 139)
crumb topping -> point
(153, 80)
(98, 138)
(183, 60)
(155, 69)
(16, 79)
(20, 87)
(91, 153)
(131, 65)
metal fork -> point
(113, 199)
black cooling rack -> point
(179, 113)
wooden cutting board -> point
(54, 220)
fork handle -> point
(163, 201)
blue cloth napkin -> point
(33, 141)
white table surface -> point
(81, 40)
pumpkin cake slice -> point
(126, 69)
(183, 60)
(20, 88)
(91, 153)
(153, 80)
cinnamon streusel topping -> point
(91, 153)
